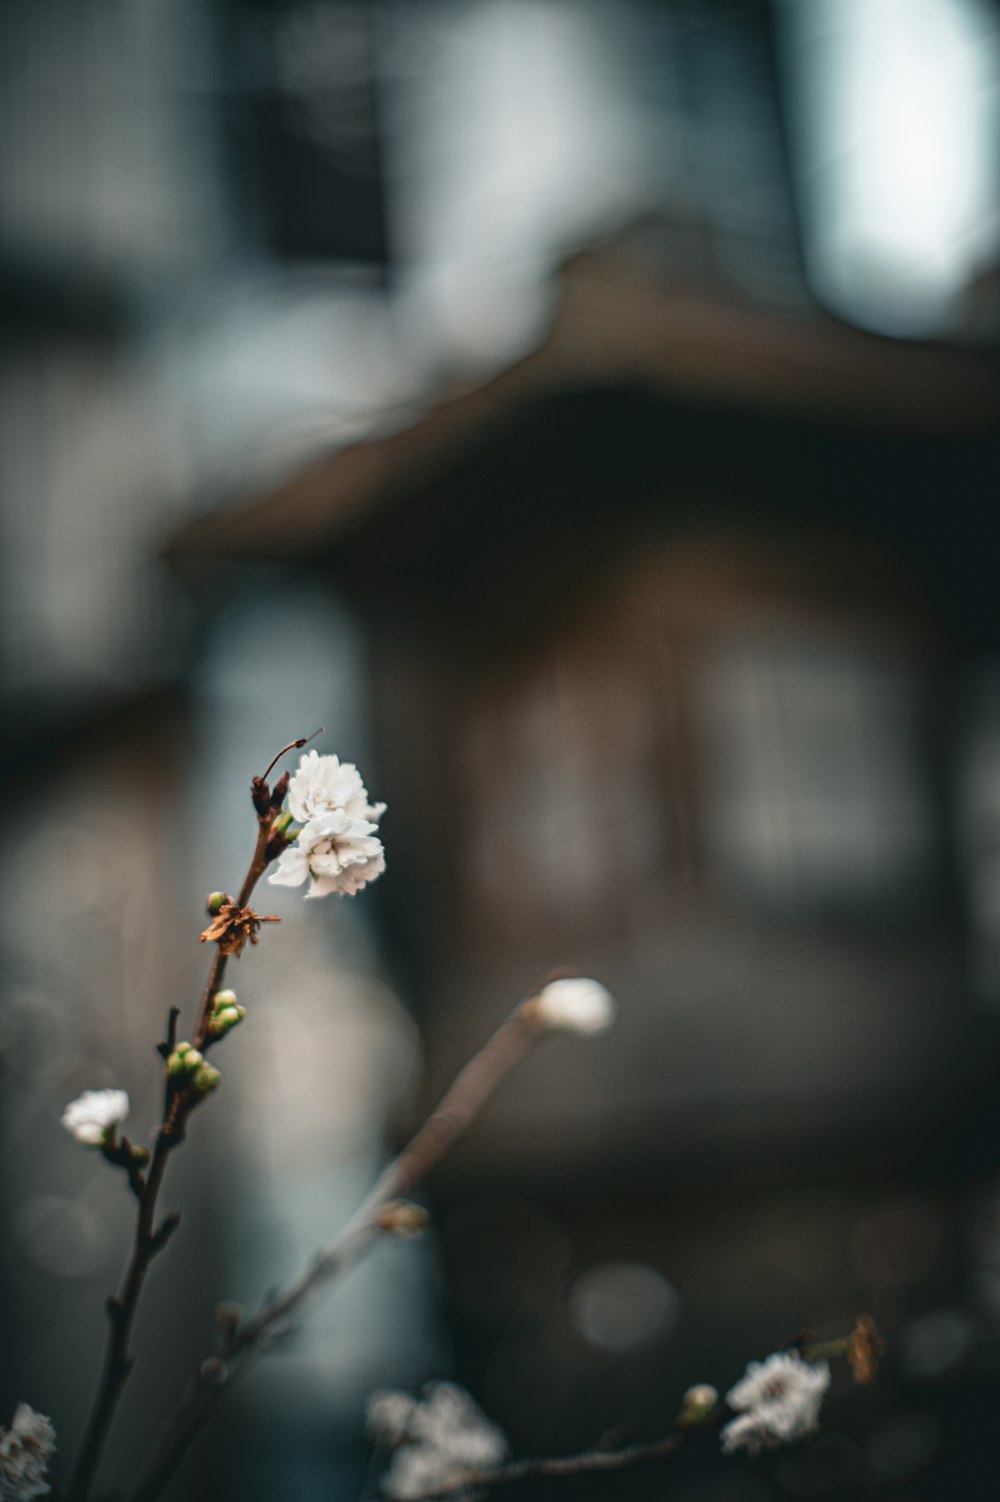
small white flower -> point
(341, 854)
(575, 1005)
(324, 784)
(93, 1116)
(780, 1399)
(439, 1439)
(25, 1451)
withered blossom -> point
(864, 1348)
(233, 925)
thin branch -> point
(258, 865)
(292, 746)
(118, 1362)
(179, 1101)
(512, 1041)
(569, 1465)
(698, 1415)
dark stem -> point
(460, 1105)
(149, 1240)
(118, 1361)
(292, 746)
(258, 866)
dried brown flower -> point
(232, 926)
(864, 1347)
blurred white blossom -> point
(780, 1398)
(575, 1005)
(93, 1116)
(388, 1414)
(25, 1450)
(436, 1440)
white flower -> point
(780, 1398)
(338, 845)
(93, 1116)
(575, 1005)
(438, 1440)
(25, 1450)
(341, 854)
(324, 784)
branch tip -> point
(296, 745)
(166, 1048)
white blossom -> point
(93, 1116)
(25, 1450)
(779, 1399)
(340, 853)
(575, 1005)
(338, 845)
(324, 784)
(437, 1440)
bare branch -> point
(470, 1091)
(178, 1104)
(569, 1465)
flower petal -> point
(291, 870)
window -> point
(814, 796)
(566, 817)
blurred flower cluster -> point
(779, 1401)
(437, 1440)
(25, 1450)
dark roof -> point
(619, 326)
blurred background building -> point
(589, 412)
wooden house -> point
(671, 627)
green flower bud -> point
(225, 1019)
(282, 823)
(697, 1405)
(223, 999)
(183, 1060)
(216, 900)
(206, 1078)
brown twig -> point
(862, 1348)
(118, 1362)
(462, 1102)
(258, 865)
(568, 1465)
(150, 1239)
(303, 740)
